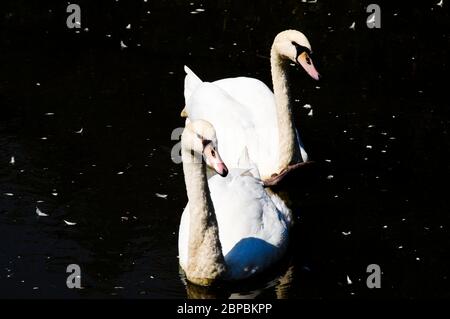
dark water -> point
(379, 127)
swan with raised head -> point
(231, 228)
(247, 115)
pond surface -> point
(88, 122)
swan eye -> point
(213, 153)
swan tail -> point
(184, 112)
(191, 81)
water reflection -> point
(273, 285)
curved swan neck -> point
(286, 129)
(206, 263)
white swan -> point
(246, 114)
(231, 227)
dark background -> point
(386, 88)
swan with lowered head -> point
(247, 115)
(231, 228)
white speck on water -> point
(161, 195)
(330, 177)
(307, 106)
(69, 223)
(38, 84)
(352, 27)
(122, 45)
(370, 125)
(346, 233)
(40, 213)
(440, 3)
(118, 287)
(385, 226)
(124, 218)
(43, 138)
(152, 277)
(383, 151)
(200, 10)
(328, 160)
(310, 113)
(400, 247)
(120, 173)
(317, 87)
(128, 26)
(417, 258)
(336, 196)
(348, 280)
(369, 147)
(79, 131)
(8, 194)
(12, 161)
(49, 114)
(108, 35)
(35, 288)
(54, 193)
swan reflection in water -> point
(277, 284)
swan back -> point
(253, 225)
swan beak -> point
(221, 169)
(214, 161)
(305, 61)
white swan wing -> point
(232, 122)
(259, 102)
(253, 225)
(252, 231)
(191, 82)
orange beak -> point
(305, 61)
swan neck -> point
(206, 263)
(286, 128)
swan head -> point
(203, 142)
(294, 45)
